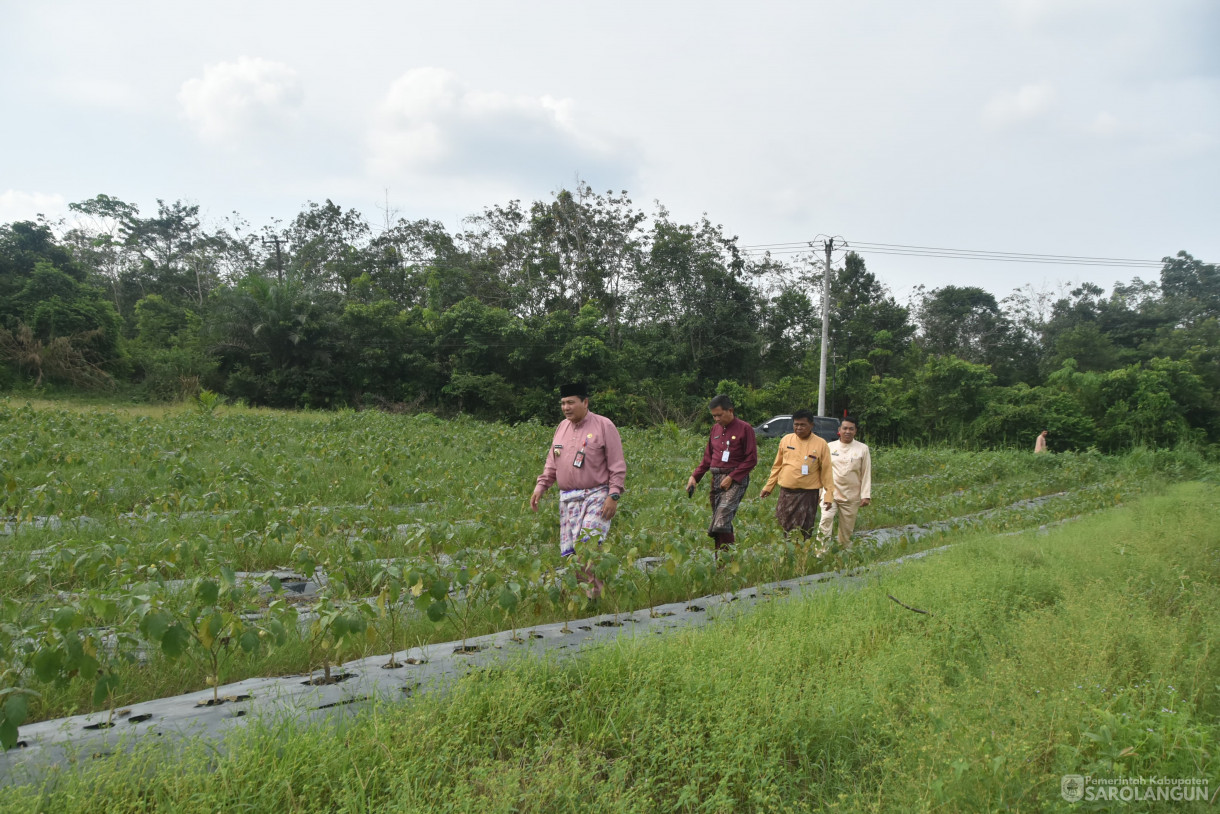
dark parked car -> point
(778, 426)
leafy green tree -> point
(168, 350)
(330, 247)
(388, 352)
(951, 394)
(405, 257)
(1152, 405)
(99, 243)
(276, 341)
(967, 322)
(693, 308)
(866, 322)
(1088, 345)
(1013, 417)
(789, 330)
(23, 247)
(1191, 288)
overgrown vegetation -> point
(1090, 650)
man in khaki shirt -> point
(853, 484)
(802, 470)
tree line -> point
(331, 310)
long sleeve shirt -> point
(738, 440)
(853, 471)
(794, 456)
(602, 463)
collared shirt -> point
(738, 439)
(853, 470)
(603, 462)
(793, 453)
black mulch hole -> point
(20, 744)
(236, 714)
(466, 650)
(583, 627)
(135, 719)
(410, 688)
(662, 614)
(609, 623)
(415, 661)
(534, 635)
(224, 699)
(394, 665)
(322, 681)
(343, 702)
(100, 725)
(694, 609)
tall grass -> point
(1093, 649)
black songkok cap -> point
(578, 389)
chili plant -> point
(334, 626)
(389, 584)
(209, 627)
(473, 584)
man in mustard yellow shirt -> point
(802, 469)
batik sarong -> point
(797, 509)
(580, 517)
(725, 502)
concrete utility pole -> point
(829, 246)
(279, 260)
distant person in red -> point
(730, 455)
(1040, 444)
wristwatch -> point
(615, 496)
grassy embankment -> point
(1093, 649)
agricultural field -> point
(146, 554)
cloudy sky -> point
(1062, 127)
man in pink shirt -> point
(586, 460)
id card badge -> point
(804, 469)
(724, 456)
(579, 460)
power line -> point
(936, 252)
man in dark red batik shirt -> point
(730, 455)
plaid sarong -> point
(797, 509)
(580, 517)
(725, 502)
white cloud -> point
(430, 123)
(1027, 103)
(242, 98)
(16, 205)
